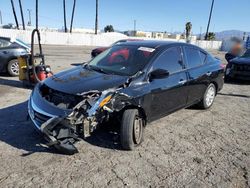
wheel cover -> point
(210, 96)
(14, 68)
(137, 132)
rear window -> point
(194, 57)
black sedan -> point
(239, 67)
(10, 50)
(131, 85)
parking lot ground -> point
(190, 148)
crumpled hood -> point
(241, 61)
(79, 80)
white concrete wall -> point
(104, 39)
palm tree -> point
(14, 12)
(211, 36)
(109, 28)
(64, 12)
(188, 30)
(72, 17)
(96, 17)
(21, 11)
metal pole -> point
(29, 23)
(64, 12)
(209, 20)
(134, 27)
(96, 17)
(14, 12)
(1, 19)
(72, 17)
(21, 10)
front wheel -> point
(209, 96)
(132, 129)
(13, 67)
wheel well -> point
(10, 59)
(140, 110)
(216, 86)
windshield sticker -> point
(146, 49)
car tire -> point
(132, 129)
(209, 96)
(13, 67)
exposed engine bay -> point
(88, 111)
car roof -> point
(158, 44)
(150, 43)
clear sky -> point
(151, 15)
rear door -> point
(198, 73)
(168, 94)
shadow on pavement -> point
(234, 95)
(237, 82)
(17, 131)
(12, 83)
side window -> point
(203, 57)
(4, 43)
(169, 60)
(193, 57)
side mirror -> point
(158, 74)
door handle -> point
(182, 81)
(208, 73)
(5, 52)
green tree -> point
(109, 28)
(188, 30)
(211, 36)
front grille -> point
(40, 118)
(242, 68)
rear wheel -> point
(209, 96)
(132, 129)
(13, 67)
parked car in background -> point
(239, 67)
(99, 50)
(131, 84)
(10, 50)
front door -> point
(168, 94)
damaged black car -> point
(132, 84)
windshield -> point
(122, 60)
(247, 53)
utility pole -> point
(200, 33)
(29, 22)
(21, 10)
(64, 12)
(72, 17)
(14, 12)
(209, 20)
(96, 17)
(1, 19)
(134, 28)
